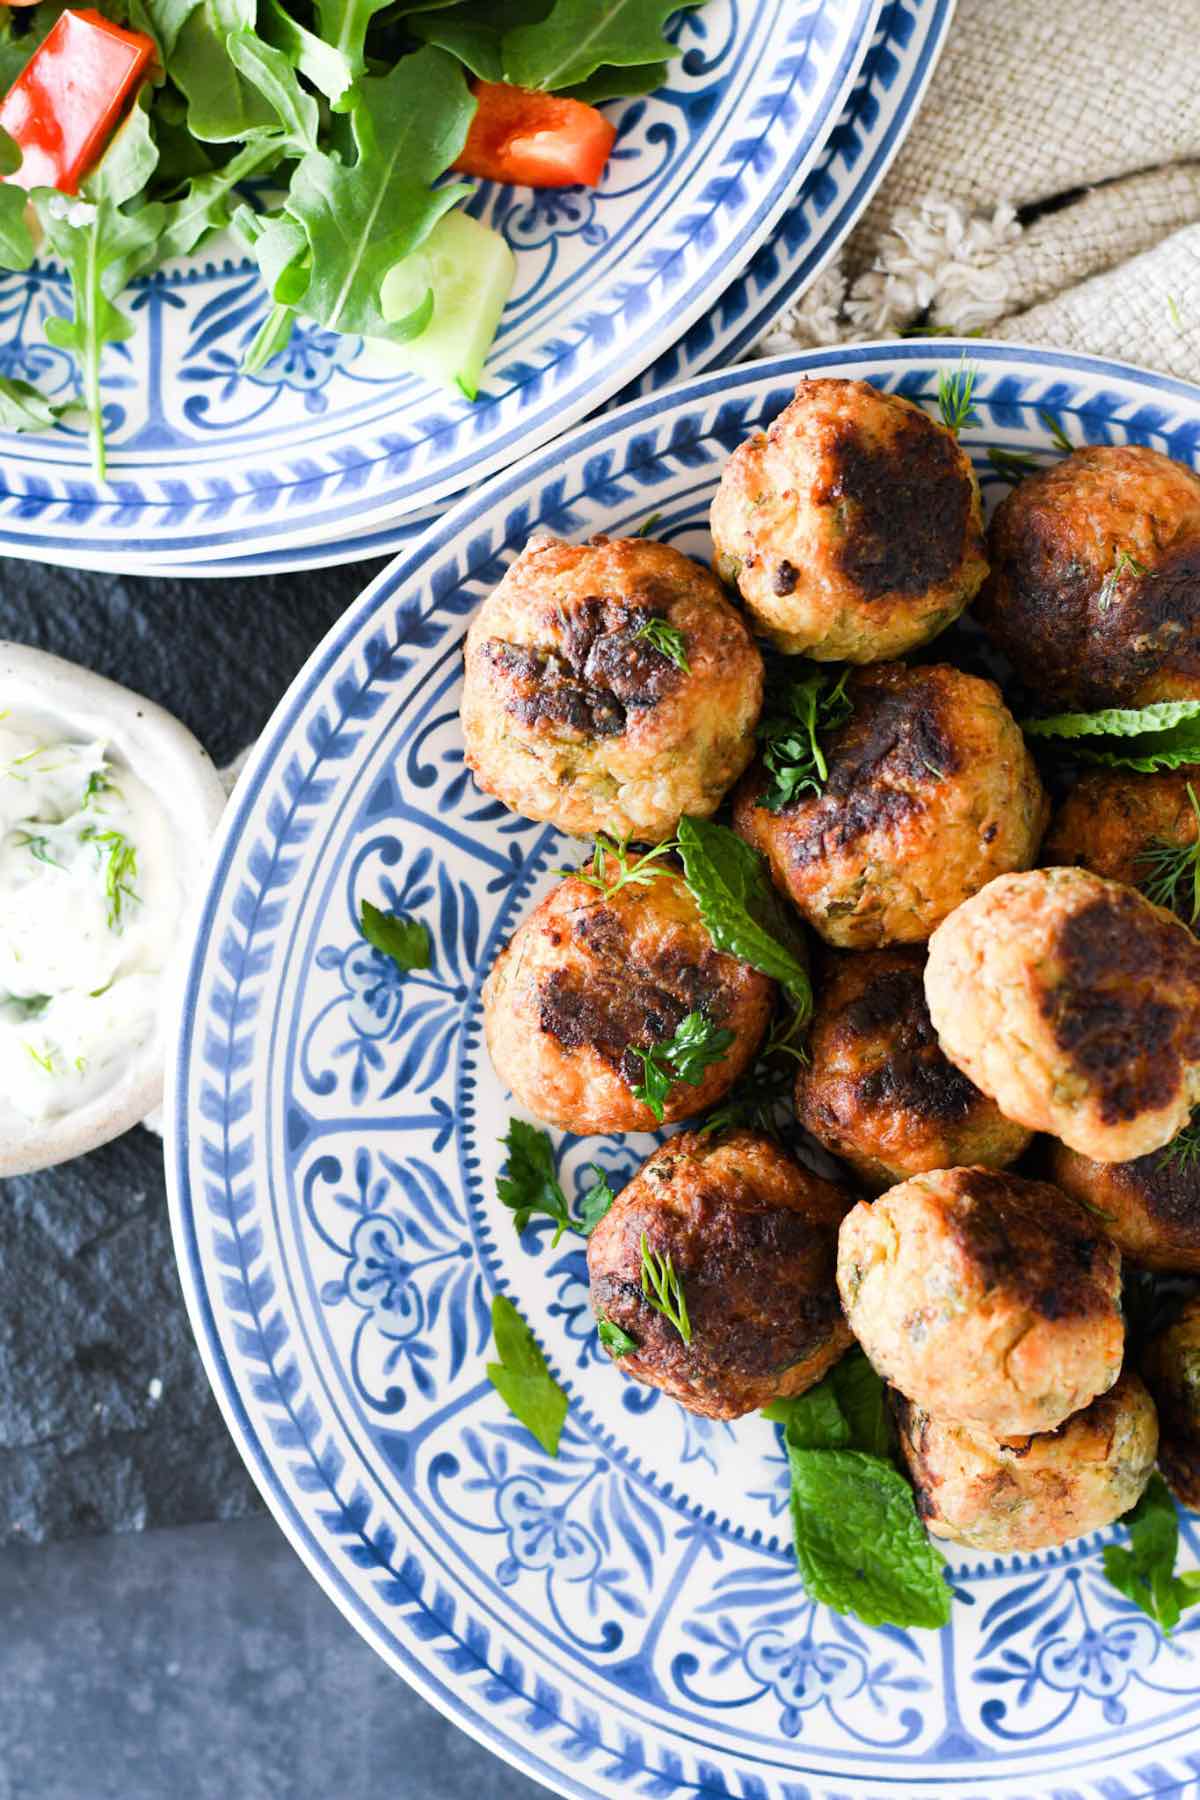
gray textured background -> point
(184, 1664)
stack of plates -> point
(727, 194)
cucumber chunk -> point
(470, 269)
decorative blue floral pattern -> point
(625, 1619)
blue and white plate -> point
(625, 1620)
(874, 123)
(322, 443)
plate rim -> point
(455, 1702)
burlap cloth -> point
(1049, 191)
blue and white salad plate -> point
(323, 442)
(625, 1620)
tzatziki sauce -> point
(89, 908)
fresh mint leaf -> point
(577, 37)
(862, 1397)
(694, 1047)
(363, 218)
(1145, 1573)
(860, 1546)
(1165, 735)
(812, 1420)
(406, 941)
(798, 716)
(522, 1379)
(615, 1340)
(744, 915)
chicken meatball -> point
(595, 975)
(985, 1299)
(1119, 825)
(751, 1237)
(1094, 594)
(1150, 1207)
(1171, 1366)
(609, 687)
(1036, 1491)
(877, 1090)
(852, 527)
(1075, 1004)
(930, 792)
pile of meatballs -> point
(992, 991)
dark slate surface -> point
(205, 1664)
(91, 1318)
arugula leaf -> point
(695, 1046)
(281, 250)
(343, 24)
(16, 239)
(474, 32)
(204, 207)
(223, 106)
(860, 1546)
(269, 71)
(798, 714)
(1165, 735)
(615, 1338)
(361, 220)
(325, 65)
(272, 337)
(163, 20)
(663, 1289)
(406, 941)
(580, 36)
(619, 84)
(530, 1184)
(1145, 1573)
(522, 1379)
(745, 917)
(23, 408)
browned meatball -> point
(1035, 1491)
(1117, 824)
(877, 1090)
(1171, 1366)
(852, 526)
(1075, 1004)
(573, 708)
(592, 976)
(931, 791)
(1150, 1207)
(751, 1239)
(1094, 594)
(985, 1299)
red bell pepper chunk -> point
(534, 140)
(65, 102)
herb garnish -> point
(667, 639)
(1054, 427)
(1013, 465)
(798, 714)
(405, 941)
(43, 1061)
(38, 846)
(1173, 870)
(1175, 314)
(860, 1547)
(664, 1290)
(955, 393)
(522, 1379)
(1165, 735)
(615, 1338)
(696, 1045)
(119, 861)
(1108, 587)
(1184, 1148)
(754, 1099)
(530, 1184)
(639, 871)
(1145, 1573)
(744, 915)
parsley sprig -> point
(667, 639)
(1145, 1573)
(663, 1289)
(522, 1378)
(615, 1338)
(530, 1185)
(695, 1046)
(1173, 870)
(405, 941)
(955, 394)
(799, 714)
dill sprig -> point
(639, 871)
(955, 393)
(754, 1099)
(647, 525)
(1175, 314)
(664, 1290)
(1173, 870)
(118, 859)
(1184, 1148)
(1054, 427)
(1125, 563)
(667, 639)
(1013, 465)
(38, 846)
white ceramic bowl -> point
(181, 776)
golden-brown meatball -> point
(984, 1298)
(852, 526)
(1150, 1207)
(931, 791)
(1114, 824)
(877, 1090)
(1171, 1366)
(572, 713)
(589, 978)
(1094, 594)
(1075, 1004)
(751, 1239)
(1039, 1490)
